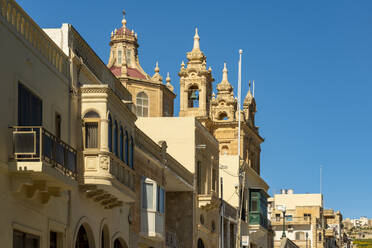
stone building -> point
(304, 219)
(151, 96)
(75, 170)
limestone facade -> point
(74, 168)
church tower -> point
(224, 115)
(196, 85)
(150, 96)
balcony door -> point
(30, 108)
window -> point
(153, 196)
(58, 125)
(214, 179)
(288, 218)
(307, 216)
(300, 236)
(25, 240)
(121, 144)
(119, 57)
(147, 195)
(131, 152)
(126, 147)
(142, 104)
(225, 150)
(53, 239)
(277, 217)
(109, 133)
(91, 135)
(91, 120)
(199, 177)
(116, 150)
(320, 237)
(29, 108)
(254, 204)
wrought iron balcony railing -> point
(36, 144)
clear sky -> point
(311, 61)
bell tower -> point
(196, 85)
(224, 106)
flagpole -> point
(238, 215)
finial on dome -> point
(224, 72)
(157, 67)
(115, 31)
(112, 33)
(249, 84)
(124, 22)
(196, 40)
(135, 35)
(183, 64)
(132, 31)
(210, 69)
(213, 95)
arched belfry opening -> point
(223, 116)
(193, 97)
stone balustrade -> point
(13, 14)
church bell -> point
(194, 96)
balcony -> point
(291, 221)
(41, 163)
(208, 201)
(107, 180)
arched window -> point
(131, 152)
(193, 97)
(91, 120)
(142, 104)
(126, 147)
(109, 133)
(116, 150)
(121, 144)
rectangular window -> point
(91, 134)
(214, 179)
(29, 107)
(288, 217)
(199, 177)
(147, 196)
(254, 205)
(58, 125)
(25, 240)
(53, 239)
(277, 217)
(119, 57)
(307, 216)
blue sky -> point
(311, 61)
